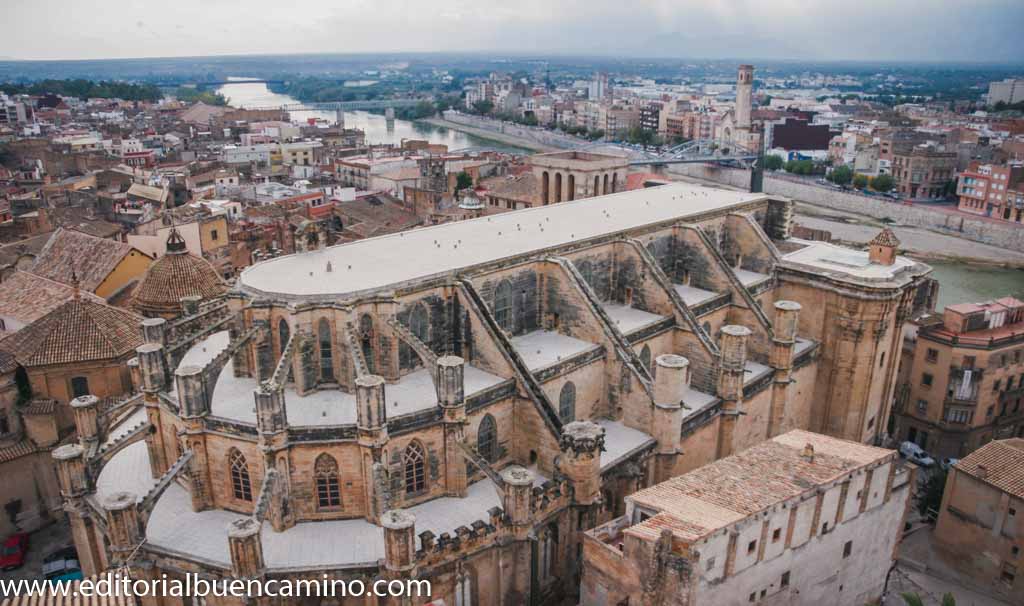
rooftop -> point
(707, 499)
(377, 263)
(999, 463)
(71, 254)
(847, 264)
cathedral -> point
(460, 403)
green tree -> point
(842, 175)
(463, 181)
(913, 599)
(934, 486)
(860, 181)
(882, 183)
(483, 107)
(773, 162)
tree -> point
(931, 499)
(882, 183)
(860, 181)
(773, 162)
(463, 181)
(842, 175)
(483, 107)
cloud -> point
(938, 30)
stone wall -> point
(977, 229)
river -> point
(257, 94)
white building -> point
(1008, 91)
(802, 518)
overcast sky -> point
(916, 30)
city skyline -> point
(822, 31)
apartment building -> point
(992, 190)
(923, 171)
(963, 379)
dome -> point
(176, 275)
(471, 202)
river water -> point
(256, 94)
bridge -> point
(343, 105)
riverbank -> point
(490, 135)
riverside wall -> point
(977, 229)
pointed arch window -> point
(567, 403)
(283, 333)
(323, 332)
(503, 306)
(464, 583)
(548, 553)
(586, 269)
(414, 460)
(487, 439)
(645, 358)
(419, 323)
(366, 341)
(328, 487)
(241, 486)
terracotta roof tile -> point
(21, 449)
(173, 276)
(886, 237)
(80, 330)
(730, 489)
(999, 463)
(89, 258)
(26, 297)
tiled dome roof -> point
(173, 276)
(80, 330)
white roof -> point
(376, 263)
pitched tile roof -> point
(15, 451)
(999, 463)
(88, 258)
(80, 330)
(26, 297)
(730, 489)
(886, 237)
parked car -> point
(62, 565)
(948, 462)
(915, 454)
(13, 551)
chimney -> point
(808, 452)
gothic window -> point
(79, 387)
(503, 306)
(240, 484)
(419, 324)
(326, 352)
(366, 340)
(487, 439)
(586, 270)
(283, 333)
(645, 357)
(548, 553)
(328, 489)
(567, 403)
(464, 588)
(414, 460)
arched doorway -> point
(572, 188)
(558, 187)
(545, 183)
